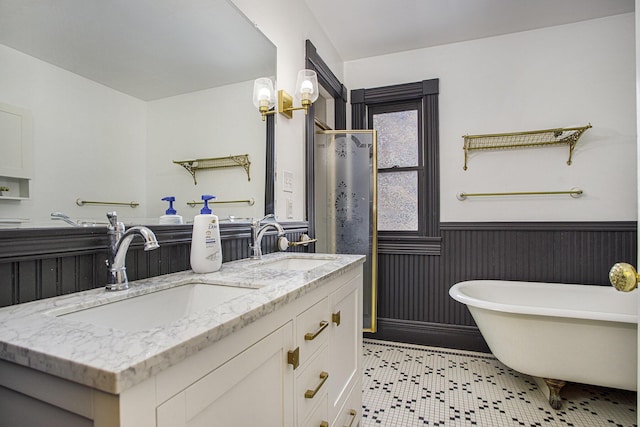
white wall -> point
(561, 76)
(75, 139)
(205, 124)
(288, 23)
(98, 144)
(172, 135)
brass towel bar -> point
(81, 202)
(574, 192)
(250, 202)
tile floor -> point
(406, 386)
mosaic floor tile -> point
(406, 385)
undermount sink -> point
(296, 263)
(157, 308)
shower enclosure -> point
(345, 203)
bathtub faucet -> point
(119, 241)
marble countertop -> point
(114, 360)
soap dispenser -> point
(206, 248)
(170, 216)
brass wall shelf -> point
(535, 138)
(194, 165)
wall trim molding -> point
(22, 244)
(430, 334)
(388, 244)
(542, 226)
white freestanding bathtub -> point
(559, 332)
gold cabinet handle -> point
(352, 414)
(293, 357)
(335, 318)
(623, 277)
(324, 424)
(310, 336)
(310, 394)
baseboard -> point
(430, 334)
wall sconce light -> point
(306, 92)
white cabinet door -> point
(255, 388)
(345, 342)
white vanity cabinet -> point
(329, 338)
(345, 354)
(248, 390)
(299, 365)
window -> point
(399, 165)
(406, 120)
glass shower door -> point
(345, 204)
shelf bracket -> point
(241, 160)
(535, 138)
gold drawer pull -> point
(293, 357)
(335, 318)
(309, 394)
(353, 414)
(309, 336)
(324, 424)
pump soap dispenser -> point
(206, 248)
(170, 216)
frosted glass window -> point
(398, 201)
(397, 138)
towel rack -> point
(534, 138)
(81, 202)
(250, 202)
(574, 192)
(241, 160)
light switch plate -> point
(289, 208)
(287, 181)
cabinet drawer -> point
(219, 399)
(312, 385)
(319, 416)
(350, 415)
(313, 329)
(345, 343)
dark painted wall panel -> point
(27, 275)
(413, 300)
(46, 263)
(7, 291)
(67, 273)
(414, 288)
(49, 278)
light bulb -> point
(264, 94)
(307, 87)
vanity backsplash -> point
(42, 263)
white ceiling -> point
(149, 49)
(363, 28)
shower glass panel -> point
(345, 204)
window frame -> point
(419, 168)
(425, 93)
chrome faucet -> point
(65, 218)
(119, 241)
(257, 233)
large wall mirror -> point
(117, 91)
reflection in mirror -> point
(116, 92)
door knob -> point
(624, 277)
